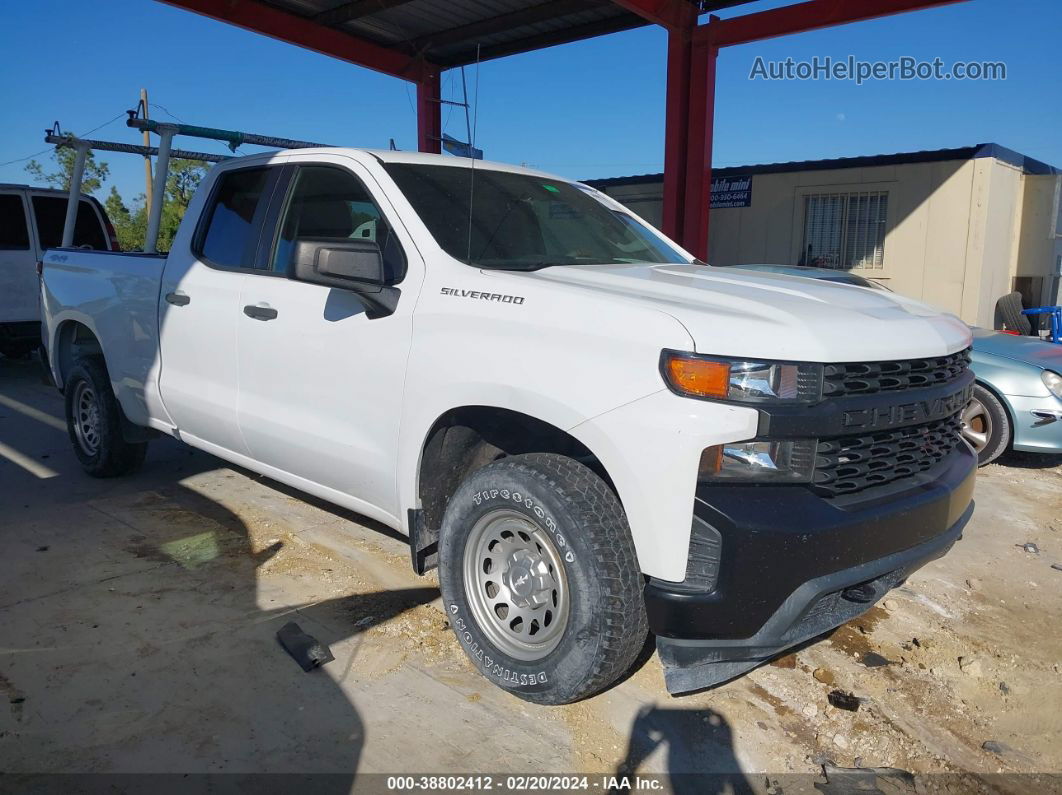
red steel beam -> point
(672, 14)
(703, 56)
(802, 17)
(676, 130)
(429, 114)
(269, 21)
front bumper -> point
(1037, 423)
(794, 565)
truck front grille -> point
(867, 378)
(848, 464)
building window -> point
(844, 230)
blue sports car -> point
(1017, 402)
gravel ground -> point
(137, 622)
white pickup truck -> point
(589, 432)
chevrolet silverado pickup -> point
(591, 434)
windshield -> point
(521, 222)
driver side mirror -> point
(347, 264)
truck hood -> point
(774, 316)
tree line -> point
(129, 219)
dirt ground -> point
(137, 624)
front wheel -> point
(94, 422)
(986, 426)
(540, 578)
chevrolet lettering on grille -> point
(880, 417)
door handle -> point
(260, 312)
(178, 299)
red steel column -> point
(676, 129)
(703, 56)
(429, 114)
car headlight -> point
(743, 381)
(761, 462)
(1053, 382)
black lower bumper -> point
(794, 565)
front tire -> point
(540, 578)
(94, 422)
(986, 426)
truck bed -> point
(115, 296)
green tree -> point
(91, 181)
(130, 222)
(129, 225)
(181, 184)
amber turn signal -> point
(697, 377)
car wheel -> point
(94, 422)
(986, 425)
(540, 578)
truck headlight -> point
(1053, 382)
(762, 462)
(744, 381)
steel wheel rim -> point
(87, 418)
(976, 425)
(516, 585)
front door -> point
(321, 381)
(199, 309)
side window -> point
(330, 202)
(13, 231)
(50, 214)
(229, 239)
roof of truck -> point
(402, 156)
(18, 186)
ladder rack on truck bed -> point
(163, 151)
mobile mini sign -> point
(731, 191)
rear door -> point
(199, 308)
(321, 381)
(18, 261)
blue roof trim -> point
(1028, 165)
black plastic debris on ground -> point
(305, 649)
(994, 747)
(843, 700)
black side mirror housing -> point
(347, 264)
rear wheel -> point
(94, 422)
(986, 425)
(540, 578)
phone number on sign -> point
(507, 784)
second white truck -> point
(590, 433)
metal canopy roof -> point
(444, 33)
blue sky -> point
(589, 109)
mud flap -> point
(423, 543)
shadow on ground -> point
(137, 633)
